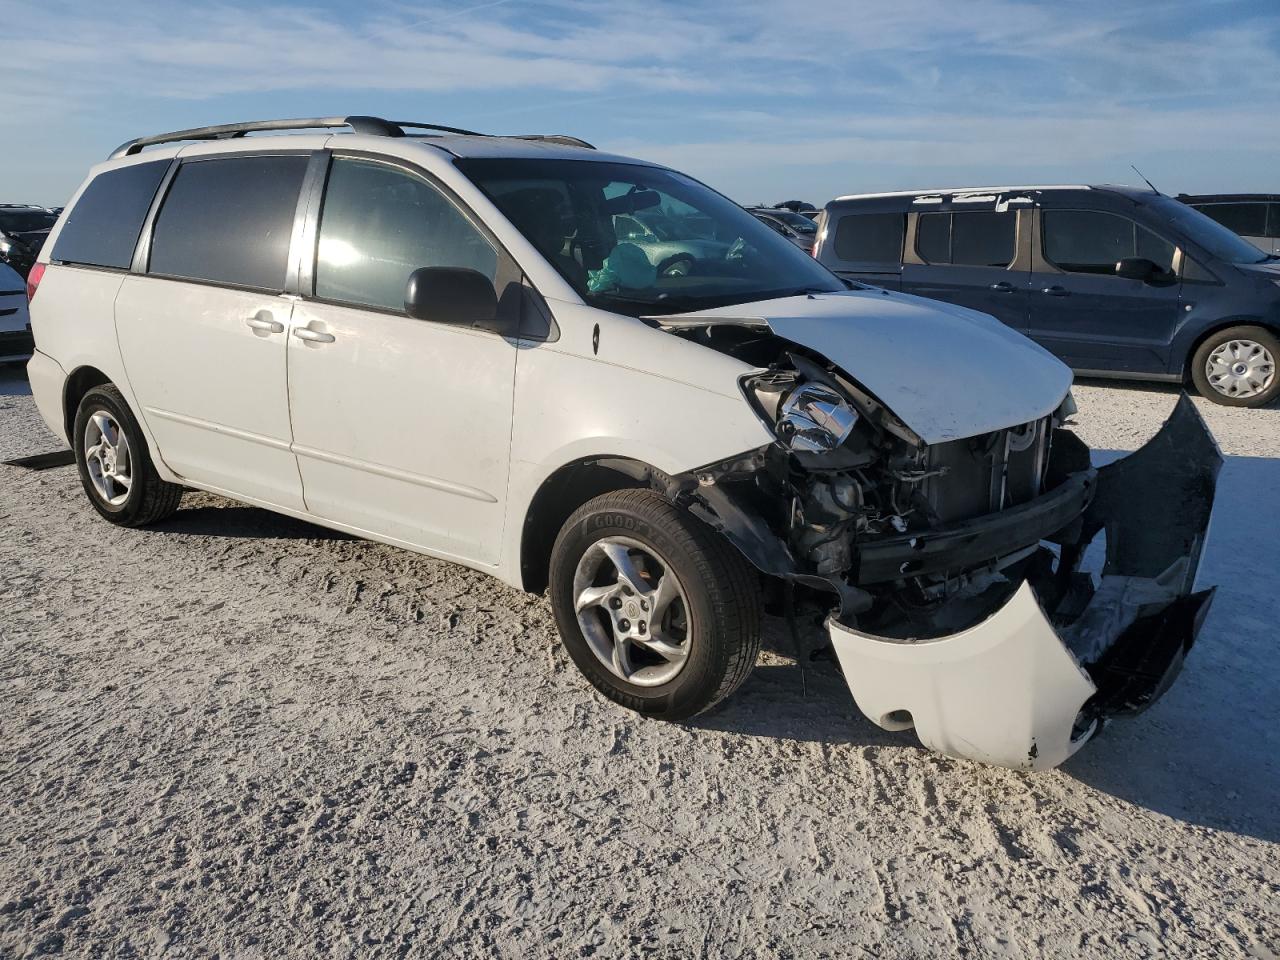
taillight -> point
(33, 280)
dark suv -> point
(1255, 216)
(23, 230)
(1116, 281)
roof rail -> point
(372, 126)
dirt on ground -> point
(239, 735)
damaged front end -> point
(965, 607)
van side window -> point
(1273, 220)
(1246, 219)
(229, 221)
(871, 237)
(379, 224)
(974, 238)
(1089, 241)
(102, 228)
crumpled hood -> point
(948, 372)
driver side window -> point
(1089, 241)
(380, 223)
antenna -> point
(1144, 179)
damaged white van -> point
(596, 375)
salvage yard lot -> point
(237, 734)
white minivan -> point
(443, 341)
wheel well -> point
(1218, 328)
(562, 493)
(81, 381)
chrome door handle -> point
(312, 336)
(1057, 291)
(262, 321)
(1004, 286)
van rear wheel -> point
(1237, 367)
(115, 466)
(659, 612)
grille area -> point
(987, 473)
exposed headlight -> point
(815, 419)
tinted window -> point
(102, 228)
(978, 238)
(1086, 241)
(379, 224)
(26, 221)
(1246, 219)
(871, 237)
(229, 221)
(1273, 220)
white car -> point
(15, 325)
(436, 340)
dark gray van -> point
(1116, 281)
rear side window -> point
(1246, 219)
(229, 221)
(103, 227)
(978, 238)
(379, 224)
(1088, 241)
(871, 237)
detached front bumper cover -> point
(1028, 686)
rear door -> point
(203, 332)
(971, 257)
(1084, 313)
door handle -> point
(312, 336)
(262, 321)
(1057, 291)
(1004, 286)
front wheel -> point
(1237, 367)
(115, 465)
(656, 610)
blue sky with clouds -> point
(765, 99)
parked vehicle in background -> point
(450, 342)
(676, 244)
(23, 229)
(1116, 281)
(1255, 216)
(796, 227)
(15, 324)
(795, 206)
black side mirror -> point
(451, 295)
(1138, 268)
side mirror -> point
(1138, 268)
(451, 295)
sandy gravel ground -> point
(242, 736)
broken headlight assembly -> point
(814, 418)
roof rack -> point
(371, 126)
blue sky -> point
(764, 99)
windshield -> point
(26, 221)
(1216, 239)
(644, 240)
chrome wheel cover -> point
(1240, 369)
(108, 458)
(633, 612)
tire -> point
(719, 597)
(1251, 341)
(147, 498)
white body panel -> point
(1005, 691)
(947, 371)
(210, 387)
(403, 427)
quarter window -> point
(103, 227)
(871, 237)
(1088, 241)
(229, 221)
(978, 238)
(379, 224)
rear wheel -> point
(1237, 367)
(656, 610)
(115, 465)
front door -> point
(203, 334)
(1080, 310)
(401, 426)
(970, 257)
